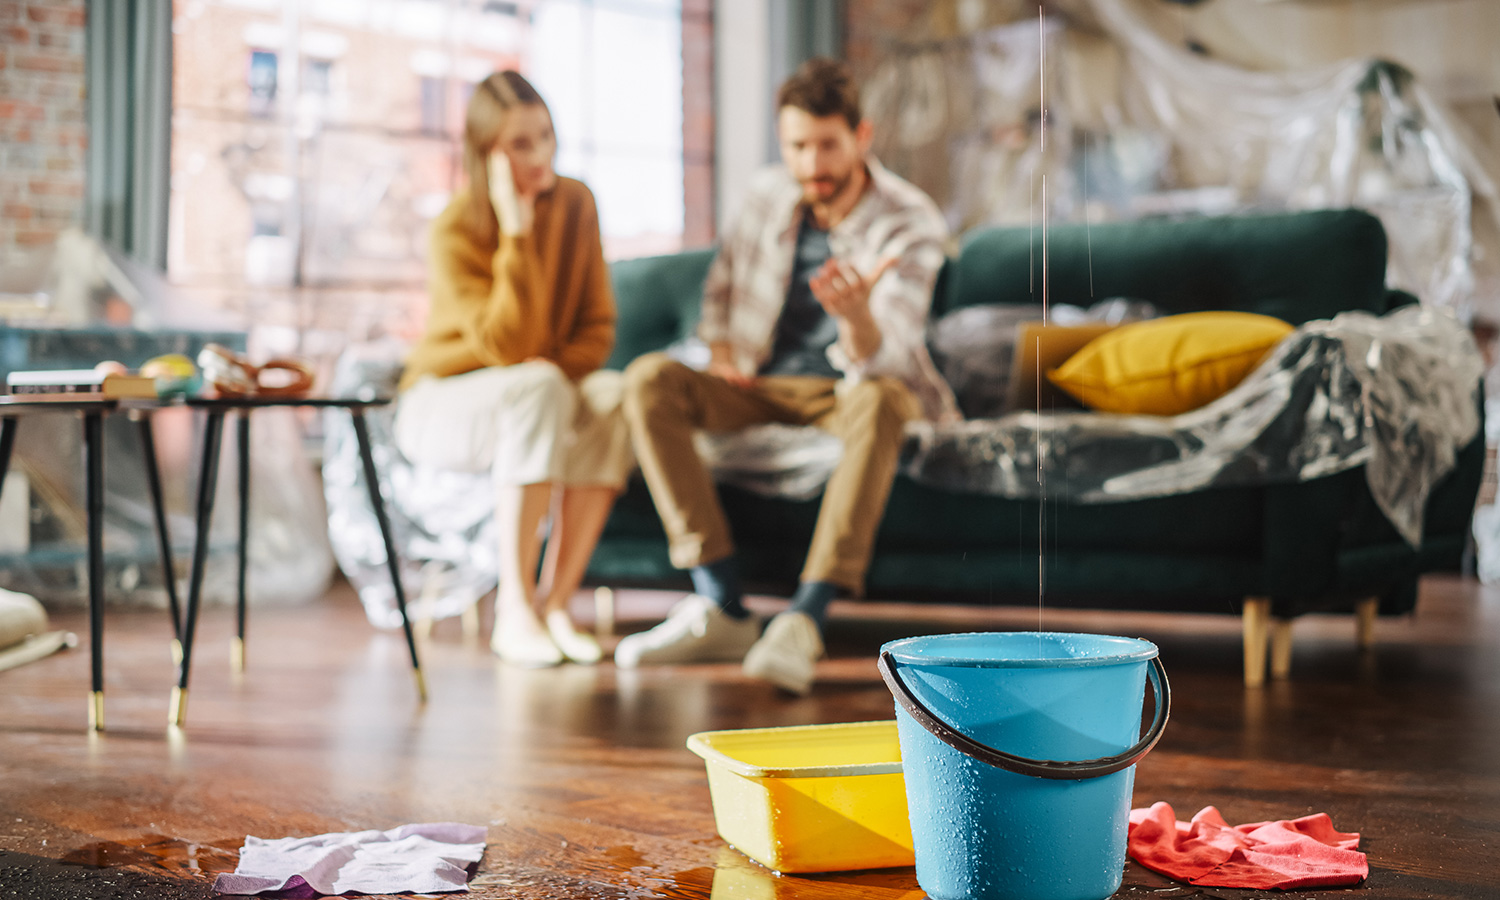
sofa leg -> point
(1364, 622)
(1281, 648)
(604, 612)
(1256, 619)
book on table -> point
(79, 384)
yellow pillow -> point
(1170, 365)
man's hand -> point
(514, 210)
(721, 364)
(842, 290)
(845, 295)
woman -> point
(506, 376)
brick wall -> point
(698, 122)
(42, 131)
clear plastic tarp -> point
(1395, 393)
(75, 304)
(1137, 126)
(442, 522)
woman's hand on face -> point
(515, 210)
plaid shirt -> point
(748, 282)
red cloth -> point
(1296, 853)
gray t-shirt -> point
(805, 331)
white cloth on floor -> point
(422, 859)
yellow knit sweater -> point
(542, 295)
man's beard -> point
(811, 194)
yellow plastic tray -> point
(811, 798)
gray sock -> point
(719, 581)
(812, 599)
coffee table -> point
(215, 409)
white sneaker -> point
(696, 630)
(576, 645)
(787, 653)
(521, 641)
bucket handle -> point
(1037, 768)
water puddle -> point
(157, 853)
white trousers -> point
(527, 423)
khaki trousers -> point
(666, 401)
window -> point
(261, 81)
(308, 215)
(317, 77)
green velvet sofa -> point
(1268, 553)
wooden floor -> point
(581, 776)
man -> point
(814, 312)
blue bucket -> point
(1019, 750)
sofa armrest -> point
(1396, 298)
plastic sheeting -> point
(59, 294)
(289, 561)
(1361, 133)
(1394, 393)
(1177, 133)
(442, 522)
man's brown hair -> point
(822, 87)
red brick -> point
(53, 14)
(15, 109)
(57, 187)
(35, 237)
(10, 12)
(50, 62)
(16, 212)
(15, 34)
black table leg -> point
(208, 477)
(372, 481)
(93, 452)
(163, 540)
(242, 435)
(7, 444)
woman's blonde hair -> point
(492, 99)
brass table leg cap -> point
(96, 711)
(177, 712)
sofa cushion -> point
(1167, 366)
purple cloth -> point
(422, 859)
